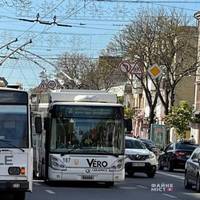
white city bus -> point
(83, 138)
(16, 153)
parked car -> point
(139, 158)
(151, 146)
(175, 155)
(192, 170)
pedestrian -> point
(192, 140)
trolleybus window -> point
(87, 130)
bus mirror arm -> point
(38, 124)
(46, 123)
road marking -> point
(171, 175)
(38, 181)
(170, 196)
(50, 191)
(127, 188)
(142, 186)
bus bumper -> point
(14, 185)
(55, 175)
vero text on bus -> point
(96, 163)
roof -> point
(12, 89)
(88, 104)
(82, 96)
(130, 138)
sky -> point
(93, 24)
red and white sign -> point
(137, 68)
(125, 66)
(51, 84)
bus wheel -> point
(19, 196)
(109, 184)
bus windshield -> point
(13, 126)
(99, 130)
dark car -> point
(192, 170)
(151, 146)
(175, 155)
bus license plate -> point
(87, 177)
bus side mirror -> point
(38, 125)
(128, 124)
(46, 123)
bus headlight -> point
(56, 163)
(118, 164)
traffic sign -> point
(51, 84)
(155, 71)
(137, 68)
(42, 84)
(125, 66)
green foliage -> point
(120, 99)
(179, 118)
(129, 112)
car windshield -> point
(134, 144)
(186, 146)
(148, 143)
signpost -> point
(136, 67)
(51, 84)
(125, 66)
(155, 71)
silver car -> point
(192, 170)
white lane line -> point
(38, 181)
(171, 175)
(169, 195)
(142, 186)
(127, 188)
(50, 191)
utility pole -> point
(195, 128)
(197, 82)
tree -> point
(179, 118)
(129, 112)
(76, 66)
(89, 74)
(165, 40)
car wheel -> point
(170, 166)
(109, 184)
(151, 174)
(187, 185)
(198, 184)
(160, 166)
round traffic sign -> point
(125, 66)
(51, 84)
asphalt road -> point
(163, 186)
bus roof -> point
(12, 89)
(88, 104)
(83, 96)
